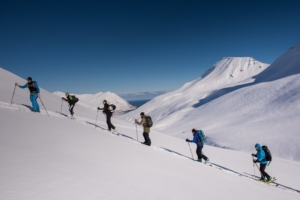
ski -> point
(273, 184)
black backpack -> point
(149, 121)
(112, 107)
(74, 98)
(268, 154)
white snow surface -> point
(92, 101)
(257, 104)
(53, 157)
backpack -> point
(73, 98)
(112, 107)
(268, 154)
(201, 136)
(149, 122)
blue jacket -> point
(33, 88)
(197, 140)
(261, 155)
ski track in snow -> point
(87, 122)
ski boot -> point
(270, 180)
(261, 180)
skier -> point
(108, 116)
(72, 100)
(200, 145)
(260, 155)
(146, 129)
(34, 93)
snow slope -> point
(53, 157)
(93, 101)
(256, 107)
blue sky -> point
(137, 46)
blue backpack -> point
(201, 136)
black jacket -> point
(105, 109)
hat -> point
(257, 145)
(29, 78)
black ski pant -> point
(109, 124)
(71, 106)
(147, 139)
(264, 174)
(199, 153)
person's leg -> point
(37, 104)
(147, 139)
(33, 102)
(199, 153)
(109, 121)
(263, 173)
(71, 109)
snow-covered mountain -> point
(53, 157)
(225, 73)
(142, 95)
(93, 101)
(237, 103)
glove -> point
(187, 140)
(16, 84)
(253, 154)
(98, 108)
(255, 161)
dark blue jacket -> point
(197, 140)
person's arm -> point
(194, 139)
(141, 122)
(64, 99)
(24, 86)
(260, 155)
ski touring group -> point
(263, 154)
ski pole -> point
(191, 150)
(13, 95)
(260, 172)
(96, 118)
(253, 166)
(137, 136)
(44, 106)
(61, 106)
